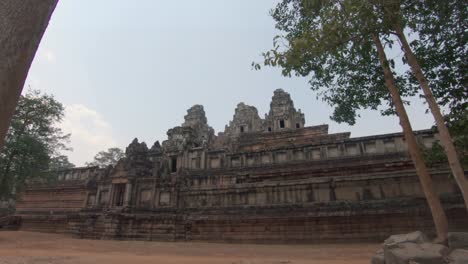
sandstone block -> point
(378, 258)
(423, 253)
(458, 256)
(458, 240)
(417, 237)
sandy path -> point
(37, 248)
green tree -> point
(60, 162)
(341, 45)
(106, 158)
(454, 50)
(458, 127)
(441, 49)
(32, 141)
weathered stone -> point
(283, 114)
(421, 253)
(458, 256)
(196, 119)
(414, 237)
(378, 258)
(245, 120)
(458, 240)
(156, 148)
(284, 184)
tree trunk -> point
(438, 214)
(445, 137)
(22, 24)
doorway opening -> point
(281, 123)
(174, 164)
(119, 194)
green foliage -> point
(331, 42)
(106, 158)
(458, 126)
(59, 163)
(32, 140)
(441, 49)
(435, 155)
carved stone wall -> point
(247, 184)
(283, 115)
(246, 119)
(197, 120)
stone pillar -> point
(203, 162)
(111, 198)
(97, 201)
(86, 200)
(128, 194)
(379, 146)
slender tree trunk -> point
(438, 214)
(445, 137)
(22, 24)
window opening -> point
(281, 123)
(174, 164)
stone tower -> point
(196, 119)
(283, 115)
(245, 119)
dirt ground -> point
(38, 248)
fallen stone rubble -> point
(416, 248)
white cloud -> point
(47, 55)
(90, 133)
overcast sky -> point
(127, 69)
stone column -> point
(203, 162)
(85, 202)
(128, 194)
(98, 196)
(111, 197)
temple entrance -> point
(119, 194)
(174, 164)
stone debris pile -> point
(416, 248)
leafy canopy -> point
(59, 163)
(441, 49)
(32, 143)
(106, 158)
(331, 42)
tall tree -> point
(22, 24)
(458, 126)
(394, 17)
(60, 162)
(33, 140)
(441, 49)
(106, 158)
(438, 213)
(339, 44)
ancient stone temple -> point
(269, 179)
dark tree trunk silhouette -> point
(22, 25)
